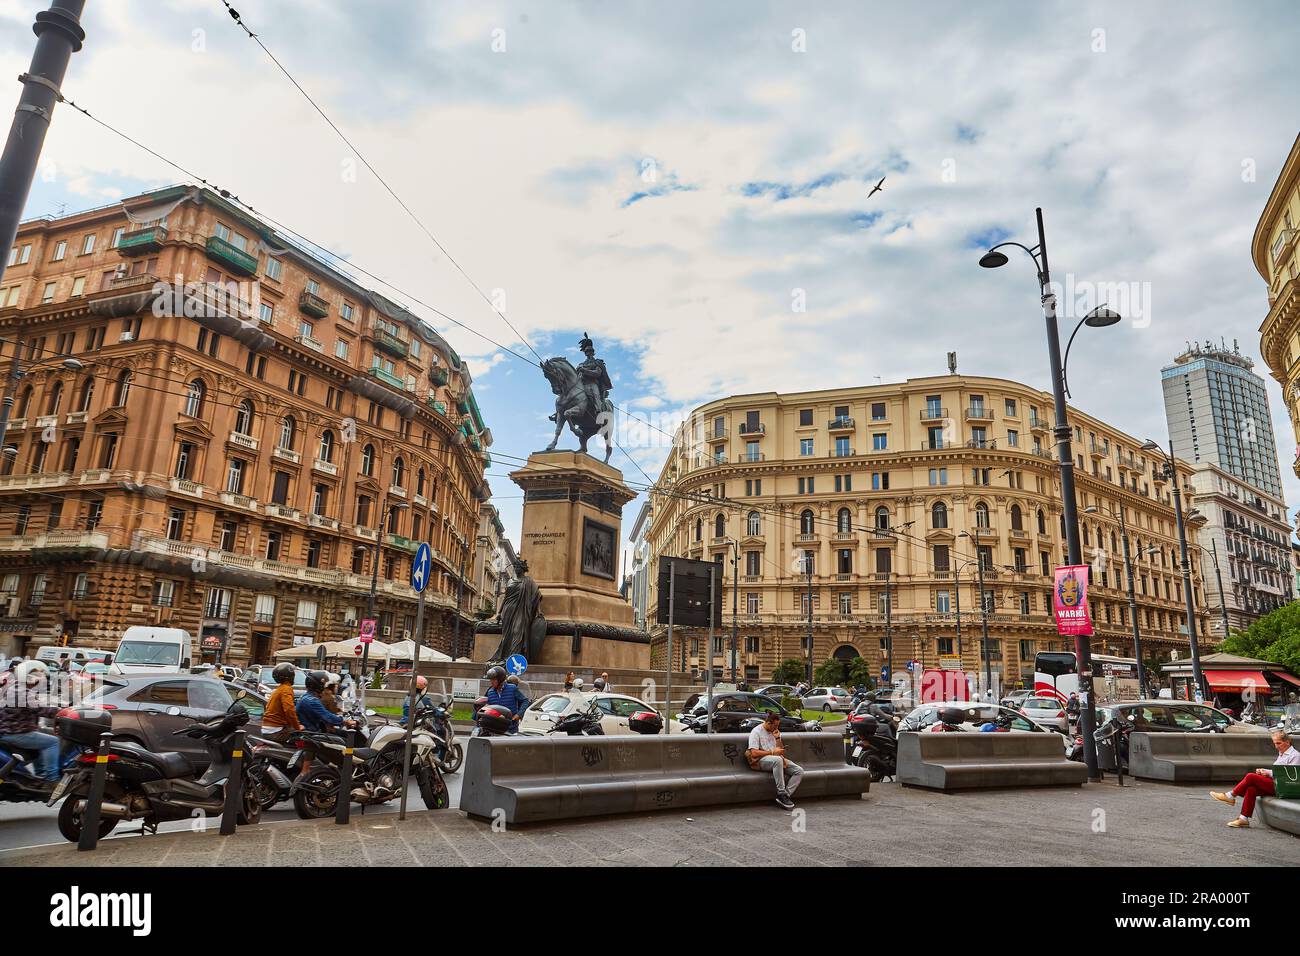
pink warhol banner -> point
(1070, 600)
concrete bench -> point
(1198, 758)
(977, 761)
(1280, 814)
(531, 779)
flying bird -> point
(877, 187)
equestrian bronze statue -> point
(581, 398)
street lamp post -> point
(984, 613)
(1218, 577)
(1132, 597)
(808, 569)
(1099, 317)
(1170, 471)
(735, 601)
(385, 510)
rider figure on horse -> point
(593, 375)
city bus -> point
(1113, 678)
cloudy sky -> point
(688, 182)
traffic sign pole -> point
(419, 580)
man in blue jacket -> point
(502, 693)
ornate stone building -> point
(217, 430)
(894, 492)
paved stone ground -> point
(1143, 824)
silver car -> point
(1047, 712)
(828, 699)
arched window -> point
(938, 515)
(368, 461)
(123, 389)
(981, 515)
(844, 521)
(87, 392)
(288, 431)
(399, 472)
(24, 401)
(419, 482)
(326, 452)
(53, 400)
(244, 417)
(806, 521)
(699, 529)
(1017, 519)
(720, 526)
(193, 399)
(753, 524)
(882, 518)
(1042, 522)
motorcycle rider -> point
(421, 695)
(313, 713)
(21, 709)
(502, 693)
(281, 716)
(330, 696)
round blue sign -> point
(516, 664)
(420, 567)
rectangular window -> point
(942, 602)
(345, 314)
(341, 349)
(805, 417)
(880, 481)
(48, 294)
(273, 544)
(879, 441)
(1013, 438)
(163, 592)
(274, 268)
(805, 444)
(943, 645)
(88, 244)
(844, 561)
(117, 237)
(877, 411)
(934, 437)
(60, 250)
(266, 312)
(1009, 407)
(235, 477)
(941, 565)
(229, 530)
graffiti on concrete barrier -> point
(624, 756)
(819, 748)
(592, 755)
(663, 797)
(731, 752)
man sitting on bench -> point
(1260, 783)
(766, 752)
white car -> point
(615, 709)
(975, 715)
(1047, 712)
(827, 699)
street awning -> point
(1237, 681)
(1287, 677)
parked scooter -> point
(950, 720)
(870, 743)
(152, 787)
(580, 723)
(376, 770)
(436, 719)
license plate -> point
(857, 752)
(60, 788)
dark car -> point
(148, 709)
(735, 711)
(1166, 717)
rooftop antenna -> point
(952, 363)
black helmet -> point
(316, 681)
(496, 672)
(952, 715)
(283, 673)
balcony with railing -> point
(283, 511)
(232, 257)
(306, 623)
(321, 521)
(933, 413)
(264, 617)
(1038, 424)
(243, 441)
(388, 342)
(979, 413)
(388, 378)
(987, 444)
(841, 423)
(717, 433)
(757, 428)
(313, 304)
(288, 454)
(936, 444)
(325, 467)
(238, 500)
(750, 457)
(185, 486)
(308, 341)
(141, 242)
(1097, 449)
(842, 451)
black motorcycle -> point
(152, 787)
(436, 718)
(870, 743)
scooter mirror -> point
(370, 713)
(173, 711)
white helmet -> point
(331, 678)
(577, 683)
(31, 671)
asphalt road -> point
(34, 824)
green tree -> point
(789, 671)
(1274, 637)
(860, 673)
(829, 672)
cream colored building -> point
(898, 486)
(1274, 251)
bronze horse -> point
(574, 407)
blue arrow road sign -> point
(420, 567)
(516, 664)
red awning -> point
(1287, 677)
(1238, 681)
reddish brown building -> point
(215, 430)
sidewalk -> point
(1141, 824)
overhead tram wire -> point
(234, 15)
(349, 265)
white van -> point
(153, 650)
(54, 655)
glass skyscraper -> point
(1217, 410)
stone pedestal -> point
(572, 531)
